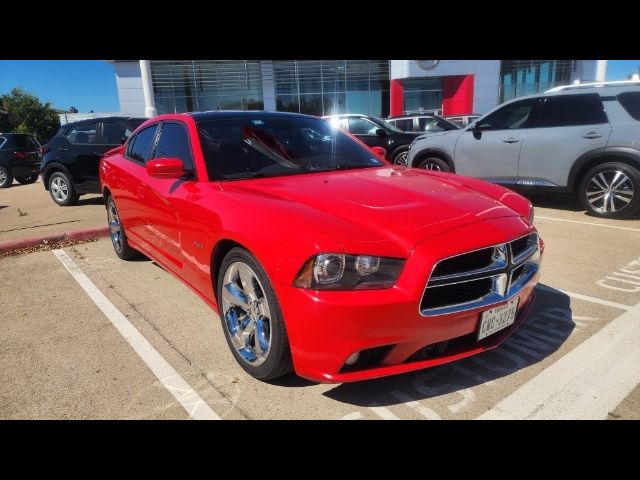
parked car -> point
(319, 256)
(70, 159)
(19, 158)
(462, 121)
(582, 139)
(375, 132)
(421, 123)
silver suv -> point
(582, 139)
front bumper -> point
(326, 327)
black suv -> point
(377, 133)
(71, 158)
(19, 158)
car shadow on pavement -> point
(99, 200)
(545, 330)
(565, 201)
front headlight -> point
(337, 271)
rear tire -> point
(6, 179)
(434, 163)
(61, 189)
(117, 234)
(27, 180)
(611, 190)
(251, 317)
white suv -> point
(583, 139)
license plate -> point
(498, 318)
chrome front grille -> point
(482, 277)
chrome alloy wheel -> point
(59, 188)
(610, 191)
(115, 228)
(431, 166)
(401, 159)
(3, 177)
(246, 312)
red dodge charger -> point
(319, 255)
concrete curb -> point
(84, 234)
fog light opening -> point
(353, 359)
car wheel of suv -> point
(401, 158)
(6, 179)
(62, 190)
(434, 163)
(27, 180)
(611, 190)
(251, 317)
(116, 231)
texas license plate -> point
(498, 318)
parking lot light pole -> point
(147, 89)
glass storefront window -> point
(329, 87)
(192, 85)
(525, 77)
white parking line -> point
(629, 229)
(383, 412)
(587, 383)
(587, 298)
(195, 406)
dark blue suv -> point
(71, 158)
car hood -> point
(375, 210)
(438, 134)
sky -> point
(91, 84)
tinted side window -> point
(513, 115)
(140, 146)
(430, 125)
(406, 125)
(174, 143)
(631, 103)
(113, 132)
(362, 126)
(568, 110)
(83, 134)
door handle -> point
(592, 135)
(62, 149)
(511, 140)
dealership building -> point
(324, 87)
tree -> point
(21, 112)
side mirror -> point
(381, 132)
(165, 168)
(379, 151)
(477, 131)
(122, 140)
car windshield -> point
(270, 146)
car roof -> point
(413, 115)
(220, 114)
(95, 119)
(345, 115)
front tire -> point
(27, 180)
(251, 317)
(61, 190)
(117, 234)
(6, 179)
(434, 163)
(611, 190)
(401, 158)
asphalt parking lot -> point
(86, 335)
